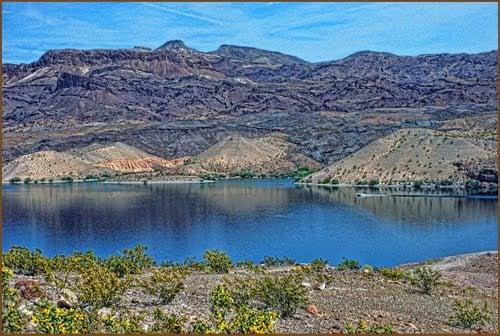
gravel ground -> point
(352, 296)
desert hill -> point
(417, 154)
(267, 155)
(91, 160)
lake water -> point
(249, 219)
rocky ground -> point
(350, 295)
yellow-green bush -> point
(165, 283)
(220, 299)
(362, 327)
(253, 321)
(217, 261)
(100, 287)
(13, 320)
(121, 323)
(425, 279)
(167, 323)
(284, 294)
(467, 314)
(392, 273)
(22, 260)
(49, 319)
(133, 261)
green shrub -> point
(13, 320)
(318, 264)
(50, 319)
(99, 287)
(15, 179)
(373, 182)
(284, 294)
(217, 261)
(249, 265)
(425, 279)
(240, 289)
(472, 184)
(220, 299)
(67, 179)
(418, 184)
(274, 261)
(27, 180)
(201, 327)
(22, 260)
(229, 317)
(301, 172)
(164, 283)
(326, 180)
(466, 314)
(163, 323)
(133, 261)
(348, 264)
(362, 327)
(392, 273)
(122, 323)
(76, 262)
(253, 321)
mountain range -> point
(175, 102)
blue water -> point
(249, 219)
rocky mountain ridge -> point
(175, 101)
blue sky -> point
(312, 31)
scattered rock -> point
(312, 309)
(63, 303)
(29, 289)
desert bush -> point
(284, 294)
(163, 323)
(425, 279)
(133, 261)
(27, 180)
(253, 321)
(99, 287)
(466, 314)
(249, 265)
(228, 316)
(67, 179)
(362, 327)
(122, 323)
(15, 179)
(76, 262)
(240, 289)
(373, 182)
(22, 260)
(50, 319)
(217, 261)
(301, 172)
(220, 299)
(165, 283)
(472, 184)
(392, 273)
(275, 261)
(200, 326)
(348, 264)
(326, 180)
(318, 264)
(13, 320)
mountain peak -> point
(173, 45)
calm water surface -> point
(249, 219)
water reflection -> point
(248, 218)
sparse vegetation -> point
(468, 314)
(425, 279)
(217, 261)
(348, 264)
(15, 179)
